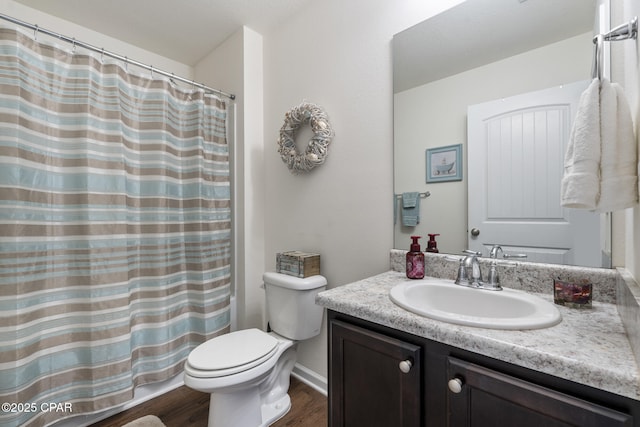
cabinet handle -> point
(455, 385)
(405, 366)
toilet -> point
(247, 371)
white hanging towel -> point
(619, 154)
(581, 180)
(600, 165)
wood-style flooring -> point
(186, 407)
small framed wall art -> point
(444, 163)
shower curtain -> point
(115, 229)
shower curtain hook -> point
(73, 47)
(102, 55)
(35, 33)
(126, 64)
(151, 68)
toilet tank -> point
(291, 308)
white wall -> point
(628, 56)
(435, 114)
(241, 74)
(337, 54)
(237, 66)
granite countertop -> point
(589, 346)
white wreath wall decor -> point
(318, 146)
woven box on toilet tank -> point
(291, 308)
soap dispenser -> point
(415, 260)
(432, 245)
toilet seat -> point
(231, 353)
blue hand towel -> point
(410, 209)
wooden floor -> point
(186, 407)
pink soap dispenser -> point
(415, 260)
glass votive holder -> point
(572, 294)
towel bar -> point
(621, 32)
(422, 195)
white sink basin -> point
(443, 300)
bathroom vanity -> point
(388, 366)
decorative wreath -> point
(316, 151)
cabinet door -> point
(374, 380)
(489, 398)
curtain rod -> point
(124, 59)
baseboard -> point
(310, 378)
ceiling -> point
(479, 32)
(471, 34)
(182, 30)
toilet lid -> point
(232, 350)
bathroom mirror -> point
(480, 52)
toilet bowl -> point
(247, 371)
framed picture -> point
(444, 163)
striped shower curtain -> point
(115, 229)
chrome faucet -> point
(493, 281)
(470, 274)
(494, 251)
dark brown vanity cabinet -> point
(375, 379)
(383, 377)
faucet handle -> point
(470, 252)
(514, 255)
(462, 278)
(493, 281)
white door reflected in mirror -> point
(516, 149)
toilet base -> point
(274, 411)
(244, 409)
